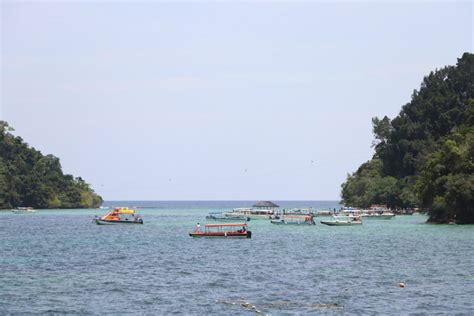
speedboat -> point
(222, 231)
(119, 215)
(343, 221)
(227, 217)
(23, 210)
(295, 220)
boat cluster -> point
(234, 224)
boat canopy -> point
(124, 210)
(225, 225)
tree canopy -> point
(424, 156)
(29, 178)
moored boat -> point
(254, 213)
(222, 231)
(24, 210)
(298, 211)
(343, 221)
(295, 220)
(119, 215)
(227, 217)
(383, 215)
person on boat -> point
(198, 227)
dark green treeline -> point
(424, 157)
(28, 178)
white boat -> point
(24, 210)
(346, 220)
(298, 211)
(295, 220)
(228, 217)
(384, 215)
(254, 213)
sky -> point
(217, 101)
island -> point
(30, 179)
(424, 157)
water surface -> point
(57, 261)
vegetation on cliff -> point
(28, 178)
(424, 157)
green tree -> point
(423, 156)
(28, 178)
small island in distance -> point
(30, 179)
(424, 157)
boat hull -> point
(113, 222)
(341, 223)
(228, 219)
(247, 234)
(378, 216)
(293, 223)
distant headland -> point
(29, 178)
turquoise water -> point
(57, 261)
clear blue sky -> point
(182, 101)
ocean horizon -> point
(221, 204)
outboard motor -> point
(249, 234)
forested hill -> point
(424, 157)
(28, 178)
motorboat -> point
(298, 211)
(24, 210)
(255, 213)
(119, 215)
(227, 217)
(235, 230)
(295, 220)
(344, 221)
(382, 215)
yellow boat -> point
(119, 215)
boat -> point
(254, 214)
(298, 211)
(119, 215)
(295, 220)
(24, 210)
(346, 220)
(227, 217)
(383, 215)
(236, 230)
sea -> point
(60, 262)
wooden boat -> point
(227, 217)
(295, 220)
(343, 221)
(119, 215)
(222, 231)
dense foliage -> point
(28, 178)
(424, 156)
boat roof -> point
(123, 210)
(220, 225)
